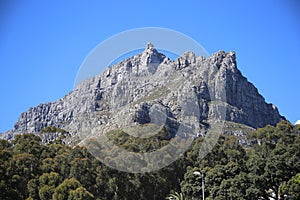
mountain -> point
(149, 88)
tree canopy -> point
(268, 168)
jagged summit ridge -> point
(151, 55)
(125, 92)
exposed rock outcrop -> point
(147, 85)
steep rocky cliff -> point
(149, 87)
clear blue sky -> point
(43, 43)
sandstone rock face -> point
(149, 87)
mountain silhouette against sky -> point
(128, 92)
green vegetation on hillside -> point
(53, 129)
(269, 168)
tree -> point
(4, 145)
(53, 129)
(28, 143)
(47, 184)
(32, 187)
(191, 185)
(46, 192)
(81, 166)
(64, 190)
(80, 193)
(291, 188)
(49, 165)
(50, 179)
(255, 170)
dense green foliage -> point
(268, 168)
(139, 144)
(264, 170)
(53, 129)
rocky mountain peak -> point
(127, 93)
(151, 56)
(150, 47)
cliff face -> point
(148, 88)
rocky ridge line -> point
(125, 93)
